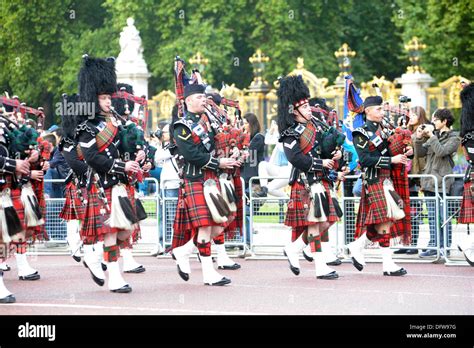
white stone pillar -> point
(130, 65)
(414, 86)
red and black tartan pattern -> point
(182, 223)
(15, 195)
(373, 207)
(399, 141)
(136, 233)
(73, 208)
(19, 247)
(93, 227)
(204, 248)
(373, 210)
(195, 202)
(111, 253)
(38, 232)
(219, 240)
(402, 227)
(297, 214)
(466, 215)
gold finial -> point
(343, 56)
(199, 62)
(258, 61)
(414, 48)
(300, 63)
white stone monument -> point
(130, 65)
(415, 81)
(414, 86)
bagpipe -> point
(398, 136)
(142, 101)
(22, 141)
(330, 138)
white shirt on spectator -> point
(169, 174)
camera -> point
(404, 99)
(423, 126)
(157, 134)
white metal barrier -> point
(453, 231)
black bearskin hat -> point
(69, 117)
(97, 76)
(467, 111)
(291, 93)
(119, 103)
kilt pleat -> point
(466, 215)
(192, 211)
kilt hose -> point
(298, 207)
(72, 208)
(237, 223)
(466, 215)
(373, 211)
(192, 211)
(93, 227)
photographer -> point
(417, 119)
(437, 143)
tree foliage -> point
(42, 42)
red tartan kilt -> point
(72, 208)
(15, 195)
(192, 211)
(466, 215)
(93, 227)
(373, 209)
(297, 215)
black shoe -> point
(336, 262)
(76, 258)
(96, 279)
(412, 251)
(104, 266)
(8, 299)
(139, 269)
(332, 275)
(8, 267)
(307, 257)
(123, 290)
(34, 276)
(221, 282)
(357, 264)
(183, 275)
(233, 267)
(400, 272)
(295, 270)
(400, 251)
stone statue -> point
(130, 42)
